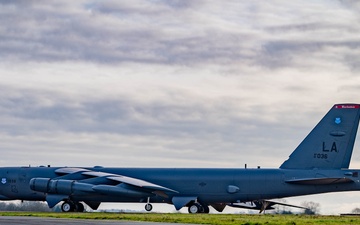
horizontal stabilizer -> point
(283, 204)
(320, 181)
(261, 205)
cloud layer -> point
(171, 83)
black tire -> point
(194, 208)
(205, 209)
(148, 207)
(67, 207)
(79, 207)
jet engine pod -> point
(39, 184)
(51, 186)
(63, 187)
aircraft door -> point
(22, 176)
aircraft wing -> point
(73, 181)
(261, 205)
(116, 177)
(69, 170)
(130, 181)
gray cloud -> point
(121, 115)
(164, 32)
(281, 54)
(167, 128)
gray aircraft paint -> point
(318, 165)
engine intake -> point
(39, 184)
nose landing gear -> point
(148, 206)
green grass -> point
(218, 219)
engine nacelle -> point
(68, 187)
(64, 187)
(39, 184)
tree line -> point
(30, 206)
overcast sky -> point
(166, 83)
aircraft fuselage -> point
(211, 186)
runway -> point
(23, 220)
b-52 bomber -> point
(320, 164)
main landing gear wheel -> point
(205, 209)
(79, 207)
(70, 206)
(148, 207)
(67, 207)
(195, 208)
(198, 208)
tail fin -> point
(330, 144)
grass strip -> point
(218, 219)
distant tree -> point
(289, 212)
(281, 209)
(24, 206)
(34, 206)
(356, 211)
(312, 208)
(7, 206)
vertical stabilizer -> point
(330, 144)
